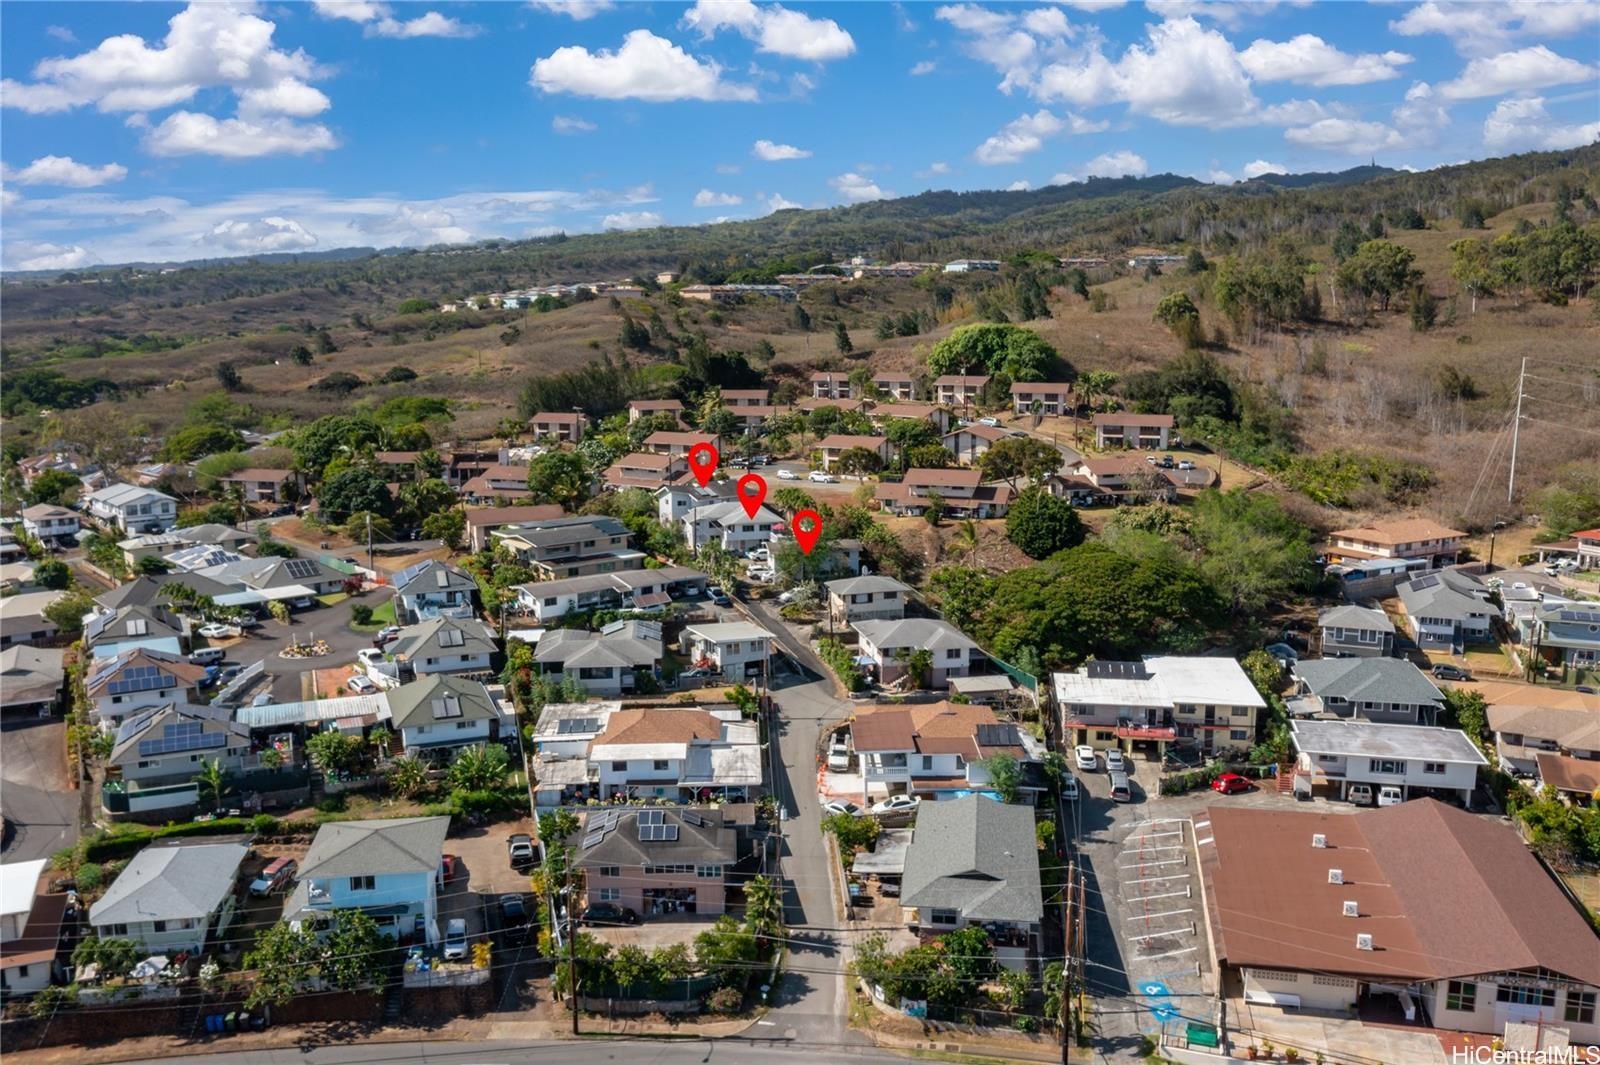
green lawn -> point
(381, 616)
(333, 598)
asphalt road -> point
(41, 811)
(728, 1051)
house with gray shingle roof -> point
(888, 646)
(1356, 631)
(432, 589)
(1448, 609)
(1365, 689)
(603, 662)
(388, 868)
(445, 645)
(172, 895)
(439, 714)
(976, 861)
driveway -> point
(40, 807)
(330, 624)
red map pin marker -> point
(807, 527)
(703, 462)
(752, 492)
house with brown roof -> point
(661, 862)
(830, 384)
(898, 385)
(267, 486)
(565, 426)
(644, 469)
(958, 390)
(1127, 429)
(961, 493)
(1448, 911)
(481, 521)
(643, 408)
(1051, 399)
(930, 749)
(679, 754)
(746, 397)
(50, 524)
(836, 444)
(498, 481)
(1421, 538)
(31, 920)
(939, 417)
(1587, 548)
(676, 444)
(1122, 475)
(968, 442)
(1545, 733)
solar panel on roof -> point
(140, 679)
(669, 833)
(300, 568)
(1424, 582)
(1120, 670)
(592, 838)
(179, 737)
(652, 817)
(996, 736)
(452, 638)
(568, 726)
(446, 706)
(693, 819)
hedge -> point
(126, 840)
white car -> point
(218, 631)
(759, 554)
(839, 756)
(1085, 756)
(361, 685)
(818, 477)
(1069, 789)
(896, 804)
(455, 939)
(788, 475)
(840, 806)
(368, 656)
(993, 423)
(1115, 763)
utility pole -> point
(369, 541)
(572, 941)
(1069, 915)
(1516, 426)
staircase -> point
(1286, 780)
(391, 1005)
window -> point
(927, 763)
(159, 926)
(464, 724)
(708, 872)
(363, 883)
(1433, 767)
(953, 652)
(1461, 995)
(943, 917)
(1543, 997)
(1238, 734)
(610, 894)
(609, 870)
(667, 870)
(619, 767)
(1391, 766)
(1580, 1007)
(22, 970)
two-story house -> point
(959, 494)
(888, 645)
(108, 635)
(830, 384)
(679, 754)
(429, 589)
(158, 752)
(644, 408)
(974, 861)
(137, 679)
(727, 524)
(258, 485)
(1419, 538)
(1356, 631)
(883, 415)
(505, 482)
(658, 862)
(564, 426)
(834, 445)
(1417, 759)
(23, 619)
(50, 524)
(1203, 703)
(931, 749)
(482, 521)
(31, 919)
(1119, 476)
(463, 646)
(31, 680)
(1568, 634)
(439, 714)
(895, 384)
(389, 868)
(172, 896)
(1125, 429)
(1587, 542)
(563, 775)
(224, 538)
(958, 390)
(1448, 609)
(571, 547)
(1365, 689)
(634, 589)
(133, 509)
(870, 598)
(1049, 399)
(644, 469)
(746, 397)
(673, 501)
(969, 442)
(735, 649)
(1545, 734)
(678, 444)
(605, 663)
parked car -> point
(519, 848)
(818, 477)
(1446, 671)
(1069, 788)
(1389, 795)
(1116, 762)
(1085, 757)
(839, 756)
(1121, 790)
(1283, 652)
(718, 596)
(514, 917)
(696, 673)
(1185, 464)
(304, 602)
(273, 876)
(218, 631)
(760, 460)
(895, 804)
(207, 656)
(1585, 689)
(759, 553)
(369, 656)
(455, 939)
(262, 699)
(608, 913)
(361, 685)
(1231, 784)
(385, 635)
(788, 475)
(246, 621)
(993, 423)
(450, 868)
(1360, 794)
(841, 806)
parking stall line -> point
(1164, 913)
(1186, 893)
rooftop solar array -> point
(452, 638)
(446, 706)
(140, 679)
(693, 819)
(653, 827)
(600, 825)
(1121, 670)
(997, 736)
(179, 737)
(570, 725)
(1590, 616)
(1424, 582)
(300, 568)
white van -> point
(1360, 794)
(207, 656)
(1389, 795)
(1121, 791)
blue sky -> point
(158, 131)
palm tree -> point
(211, 780)
(965, 541)
(918, 663)
(381, 739)
(763, 907)
(408, 776)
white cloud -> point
(258, 235)
(774, 28)
(66, 171)
(286, 97)
(1020, 185)
(633, 220)
(927, 66)
(729, 168)
(377, 20)
(1481, 29)
(646, 67)
(1345, 136)
(1310, 60)
(1523, 124)
(857, 189)
(772, 152)
(995, 39)
(9, 198)
(1230, 13)
(939, 168)
(776, 202)
(1299, 112)
(1421, 117)
(1218, 177)
(61, 33)
(1257, 167)
(1116, 164)
(1093, 5)
(574, 9)
(568, 124)
(1047, 22)
(1523, 70)
(192, 133)
(1027, 134)
(708, 198)
(46, 256)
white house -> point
(835, 445)
(51, 524)
(445, 645)
(1130, 430)
(888, 645)
(678, 754)
(604, 662)
(137, 679)
(430, 589)
(171, 896)
(389, 868)
(735, 649)
(1051, 399)
(931, 749)
(30, 928)
(969, 442)
(673, 501)
(637, 589)
(133, 509)
(870, 598)
(1207, 703)
(727, 524)
(439, 714)
(1418, 759)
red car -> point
(1231, 784)
(450, 868)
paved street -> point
(728, 1051)
(41, 811)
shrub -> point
(90, 876)
(264, 825)
(725, 1000)
(361, 614)
(842, 662)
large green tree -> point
(559, 477)
(1041, 524)
(353, 490)
(1020, 354)
(1019, 457)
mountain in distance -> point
(1354, 176)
